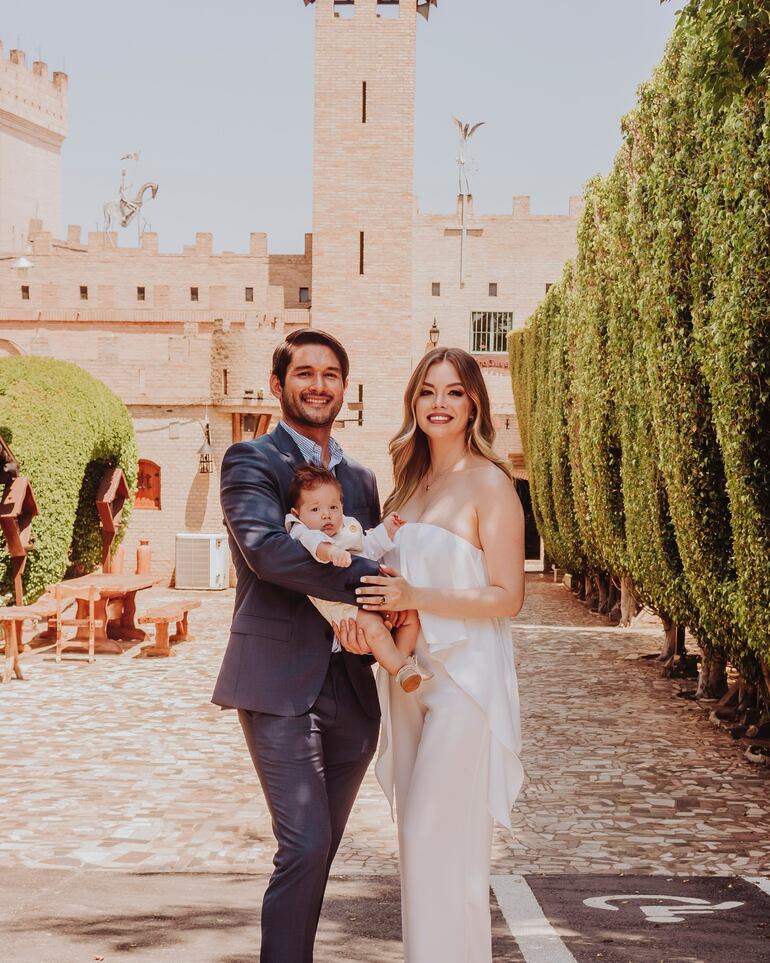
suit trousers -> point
(310, 767)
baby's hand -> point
(339, 557)
(392, 524)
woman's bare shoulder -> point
(491, 477)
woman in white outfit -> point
(450, 750)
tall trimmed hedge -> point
(65, 429)
(654, 350)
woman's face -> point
(443, 407)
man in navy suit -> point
(309, 710)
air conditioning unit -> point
(201, 561)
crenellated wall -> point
(188, 336)
(33, 125)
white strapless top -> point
(476, 653)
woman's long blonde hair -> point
(409, 449)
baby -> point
(317, 522)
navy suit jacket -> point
(279, 648)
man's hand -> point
(351, 637)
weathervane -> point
(123, 210)
(464, 190)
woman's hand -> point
(388, 592)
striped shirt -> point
(312, 452)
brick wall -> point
(362, 182)
(33, 124)
(292, 272)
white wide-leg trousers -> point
(441, 743)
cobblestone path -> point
(126, 765)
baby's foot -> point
(408, 676)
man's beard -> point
(306, 415)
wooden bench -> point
(161, 617)
(12, 618)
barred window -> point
(489, 330)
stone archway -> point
(10, 350)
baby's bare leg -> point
(406, 634)
(380, 641)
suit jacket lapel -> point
(287, 446)
(351, 494)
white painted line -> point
(538, 940)
(761, 882)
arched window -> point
(148, 486)
(9, 348)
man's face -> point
(313, 389)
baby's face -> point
(321, 509)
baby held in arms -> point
(317, 522)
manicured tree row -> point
(655, 354)
(65, 428)
(732, 308)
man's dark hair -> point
(285, 351)
(307, 477)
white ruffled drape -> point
(476, 653)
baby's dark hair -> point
(307, 477)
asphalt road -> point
(81, 916)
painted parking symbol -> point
(645, 919)
(660, 913)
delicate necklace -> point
(440, 475)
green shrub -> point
(65, 429)
(656, 348)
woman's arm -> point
(501, 534)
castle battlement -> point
(35, 100)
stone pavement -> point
(126, 765)
(134, 827)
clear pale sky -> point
(218, 96)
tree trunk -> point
(765, 693)
(668, 650)
(604, 593)
(628, 604)
(712, 679)
(592, 593)
(613, 603)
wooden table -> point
(116, 608)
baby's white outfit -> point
(351, 536)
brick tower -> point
(363, 203)
(33, 125)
